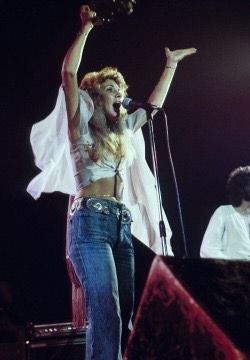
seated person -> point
(228, 232)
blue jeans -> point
(102, 254)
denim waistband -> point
(102, 205)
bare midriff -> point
(107, 187)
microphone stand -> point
(162, 227)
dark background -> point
(208, 117)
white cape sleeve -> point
(51, 149)
(141, 198)
(50, 146)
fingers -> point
(167, 50)
(187, 50)
(190, 51)
(86, 13)
(84, 8)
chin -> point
(113, 118)
(116, 125)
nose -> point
(118, 95)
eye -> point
(109, 89)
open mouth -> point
(117, 106)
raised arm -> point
(71, 64)
(160, 91)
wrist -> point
(171, 65)
(84, 31)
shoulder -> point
(136, 120)
(223, 211)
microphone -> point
(130, 104)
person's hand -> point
(87, 17)
(174, 56)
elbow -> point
(202, 253)
(68, 78)
(68, 74)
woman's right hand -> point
(87, 17)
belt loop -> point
(76, 205)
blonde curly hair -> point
(95, 78)
(109, 139)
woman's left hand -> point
(174, 56)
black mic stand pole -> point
(162, 228)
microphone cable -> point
(175, 184)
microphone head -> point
(126, 103)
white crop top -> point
(85, 169)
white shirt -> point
(227, 235)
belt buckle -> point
(97, 205)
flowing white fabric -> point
(50, 145)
